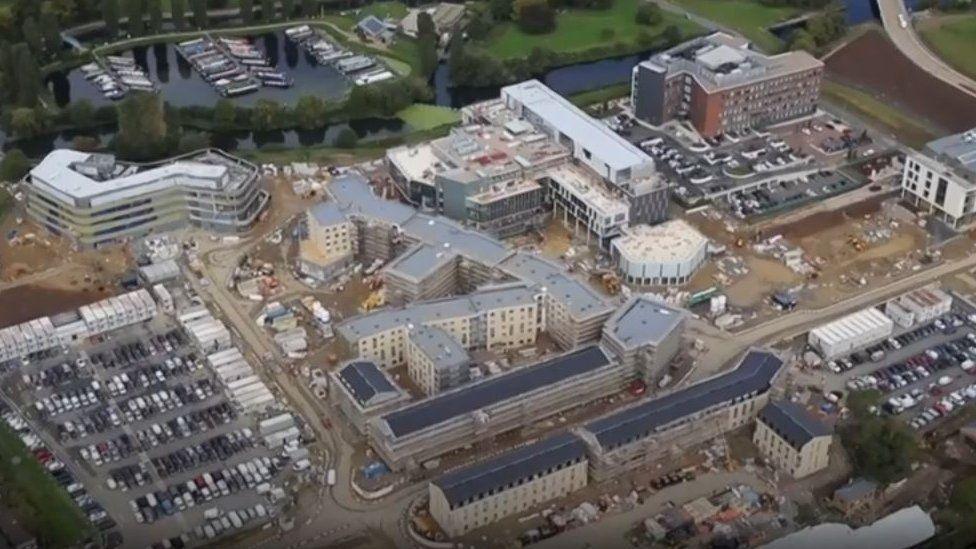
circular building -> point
(665, 254)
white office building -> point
(665, 254)
(942, 179)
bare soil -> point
(29, 302)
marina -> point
(359, 69)
(115, 75)
(232, 66)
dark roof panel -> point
(509, 467)
(793, 422)
(493, 390)
(754, 373)
(365, 380)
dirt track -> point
(872, 63)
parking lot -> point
(925, 373)
(155, 449)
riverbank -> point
(748, 17)
(953, 38)
(905, 127)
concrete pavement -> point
(908, 42)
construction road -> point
(908, 42)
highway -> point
(909, 43)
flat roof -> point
(354, 195)
(593, 135)
(754, 373)
(641, 321)
(498, 472)
(793, 422)
(448, 235)
(673, 241)
(577, 295)
(958, 151)
(328, 213)
(444, 351)
(419, 262)
(494, 390)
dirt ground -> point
(900, 82)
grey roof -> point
(355, 196)
(494, 296)
(580, 298)
(959, 150)
(641, 321)
(420, 261)
(754, 374)
(328, 213)
(365, 381)
(442, 349)
(793, 422)
(498, 472)
(371, 25)
(447, 234)
(856, 490)
(494, 390)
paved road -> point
(908, 41)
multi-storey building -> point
(423, 272)
(792, 439)
(514, 482)
(722, 85)
(435, 360)
(585, 202)
(507, 209)
(666, 254)
(363, 391)
(942, 179)
(95, 199)
(481, 410)
(332, 241)
(644, 335)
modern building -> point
(505, 316)
(850, 333)
(942, 179)
(95, 199)
(644, 335)
(481, 410)
(423, 272)
(507, 209)
(666, 254)
(362, 391)
(919, 306)
(435, 360)
(584, 202)
(659, 428)
(722, 85)
(792, 439)
(331, 243)
(516, 481)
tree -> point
(803, 41)
(310, 111)
(501, 10)
(155, 16)
(134, 12)
(425, 25)
(50, 30)
(81, 113)
(247, 11)
(346, 139)
(481, 22)
(8, 71)
(267, 10)
(672, 35)
(287, 9)
(32, 35)
(14, 165)
(225, 114)
(110, 15)
(535, 16)
(309, 8)
(267, 115)
(143, 130)
(28, 76)
(193, 141)
(649, 14)
(25, 122)
(427, 55)
(199, 8)
(880, 448)
(178, 13)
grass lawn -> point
(954, 40)
(580, 30)
(347, 19)
(421, 116)
(746, 16)
(600, 95)
(899, 122)
(38, 499)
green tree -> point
(51, 32)
(247, 11)
(14, 165)
(110, 15)
(33, 37)
(309, 8)
(267, 10)
(347, 139)
(535, 16)
(155, 9)
(25, 122)
(802, 40)
(649, 14)
(199, 8)
(267, 115)
(193, 141)
(8, 71)
(143, 130)
(27, 76)
(134, 13)
(310, 111)
(880, 448)
(425, 25)
(501, 10)
(81, 113)
(287, 9)
(427, 55)
(480, 22)
(225, 114)
(178, 13)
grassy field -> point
(899, 122)
(346, 20)
(746, 16)
(580, 30)
(954, 39)
(29, 490)
(600, 95)
(424, 117)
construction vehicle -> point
(611, 283)
(374, 300)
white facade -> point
(584, 201)
(850, 333)
(943, 179)
(919, 306)
(665, 254)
